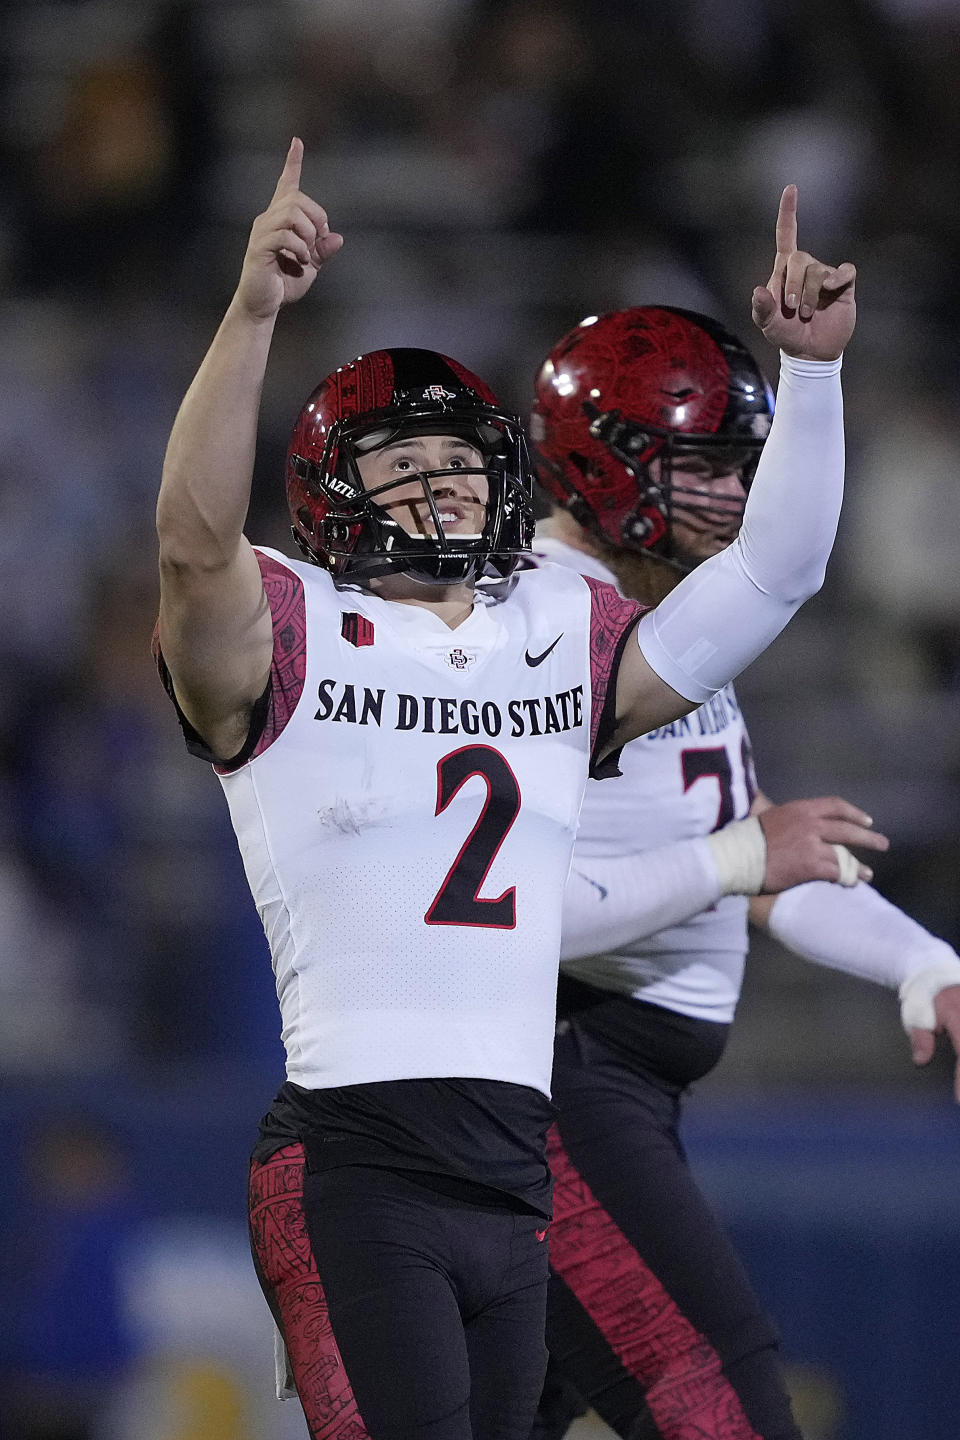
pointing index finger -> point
(290, 174)
(787, 222)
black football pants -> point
(407, 1314)
(651, 1319)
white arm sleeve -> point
(613, 900)
(859, 932)
(732, 606)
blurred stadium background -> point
(500, 168)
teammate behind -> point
(404, 755)
(647, 429)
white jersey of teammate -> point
(679, 782)
(406, 821)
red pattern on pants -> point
(681, 1374)
(278, 1234)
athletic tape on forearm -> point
(859, 932)
(731, 607)
(611, 901)
(740, 855)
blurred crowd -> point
(499, 169)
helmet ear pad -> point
(633, 387)
(342, 527)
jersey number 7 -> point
(715, 762)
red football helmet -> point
(378, 397)
(625, 388)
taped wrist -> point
(740, 855)
(920, 990)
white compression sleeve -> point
(610, 901)
(731, 607)
(859, 932)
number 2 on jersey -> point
(458, 901)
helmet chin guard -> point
(633, 387)
(378, 398)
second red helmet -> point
(633, 387)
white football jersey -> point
(406, 821)
(680, 781)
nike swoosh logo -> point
(539, 659)
(595, 883)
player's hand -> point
(288, 244)
(946, 1007)
(802, 837)
(806, 308)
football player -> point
(647, 430)
(403, 753)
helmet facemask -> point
(629, 401)
(663, 498)
(361, 539)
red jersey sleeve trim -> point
(611, 620)
(288, 667)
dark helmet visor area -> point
(363, 539)
(447, 556)
(706, 458)
(636, 445)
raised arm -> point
(215, 626)
(728, 611)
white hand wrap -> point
(919, 990)
(740, 855)
(729, 609)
